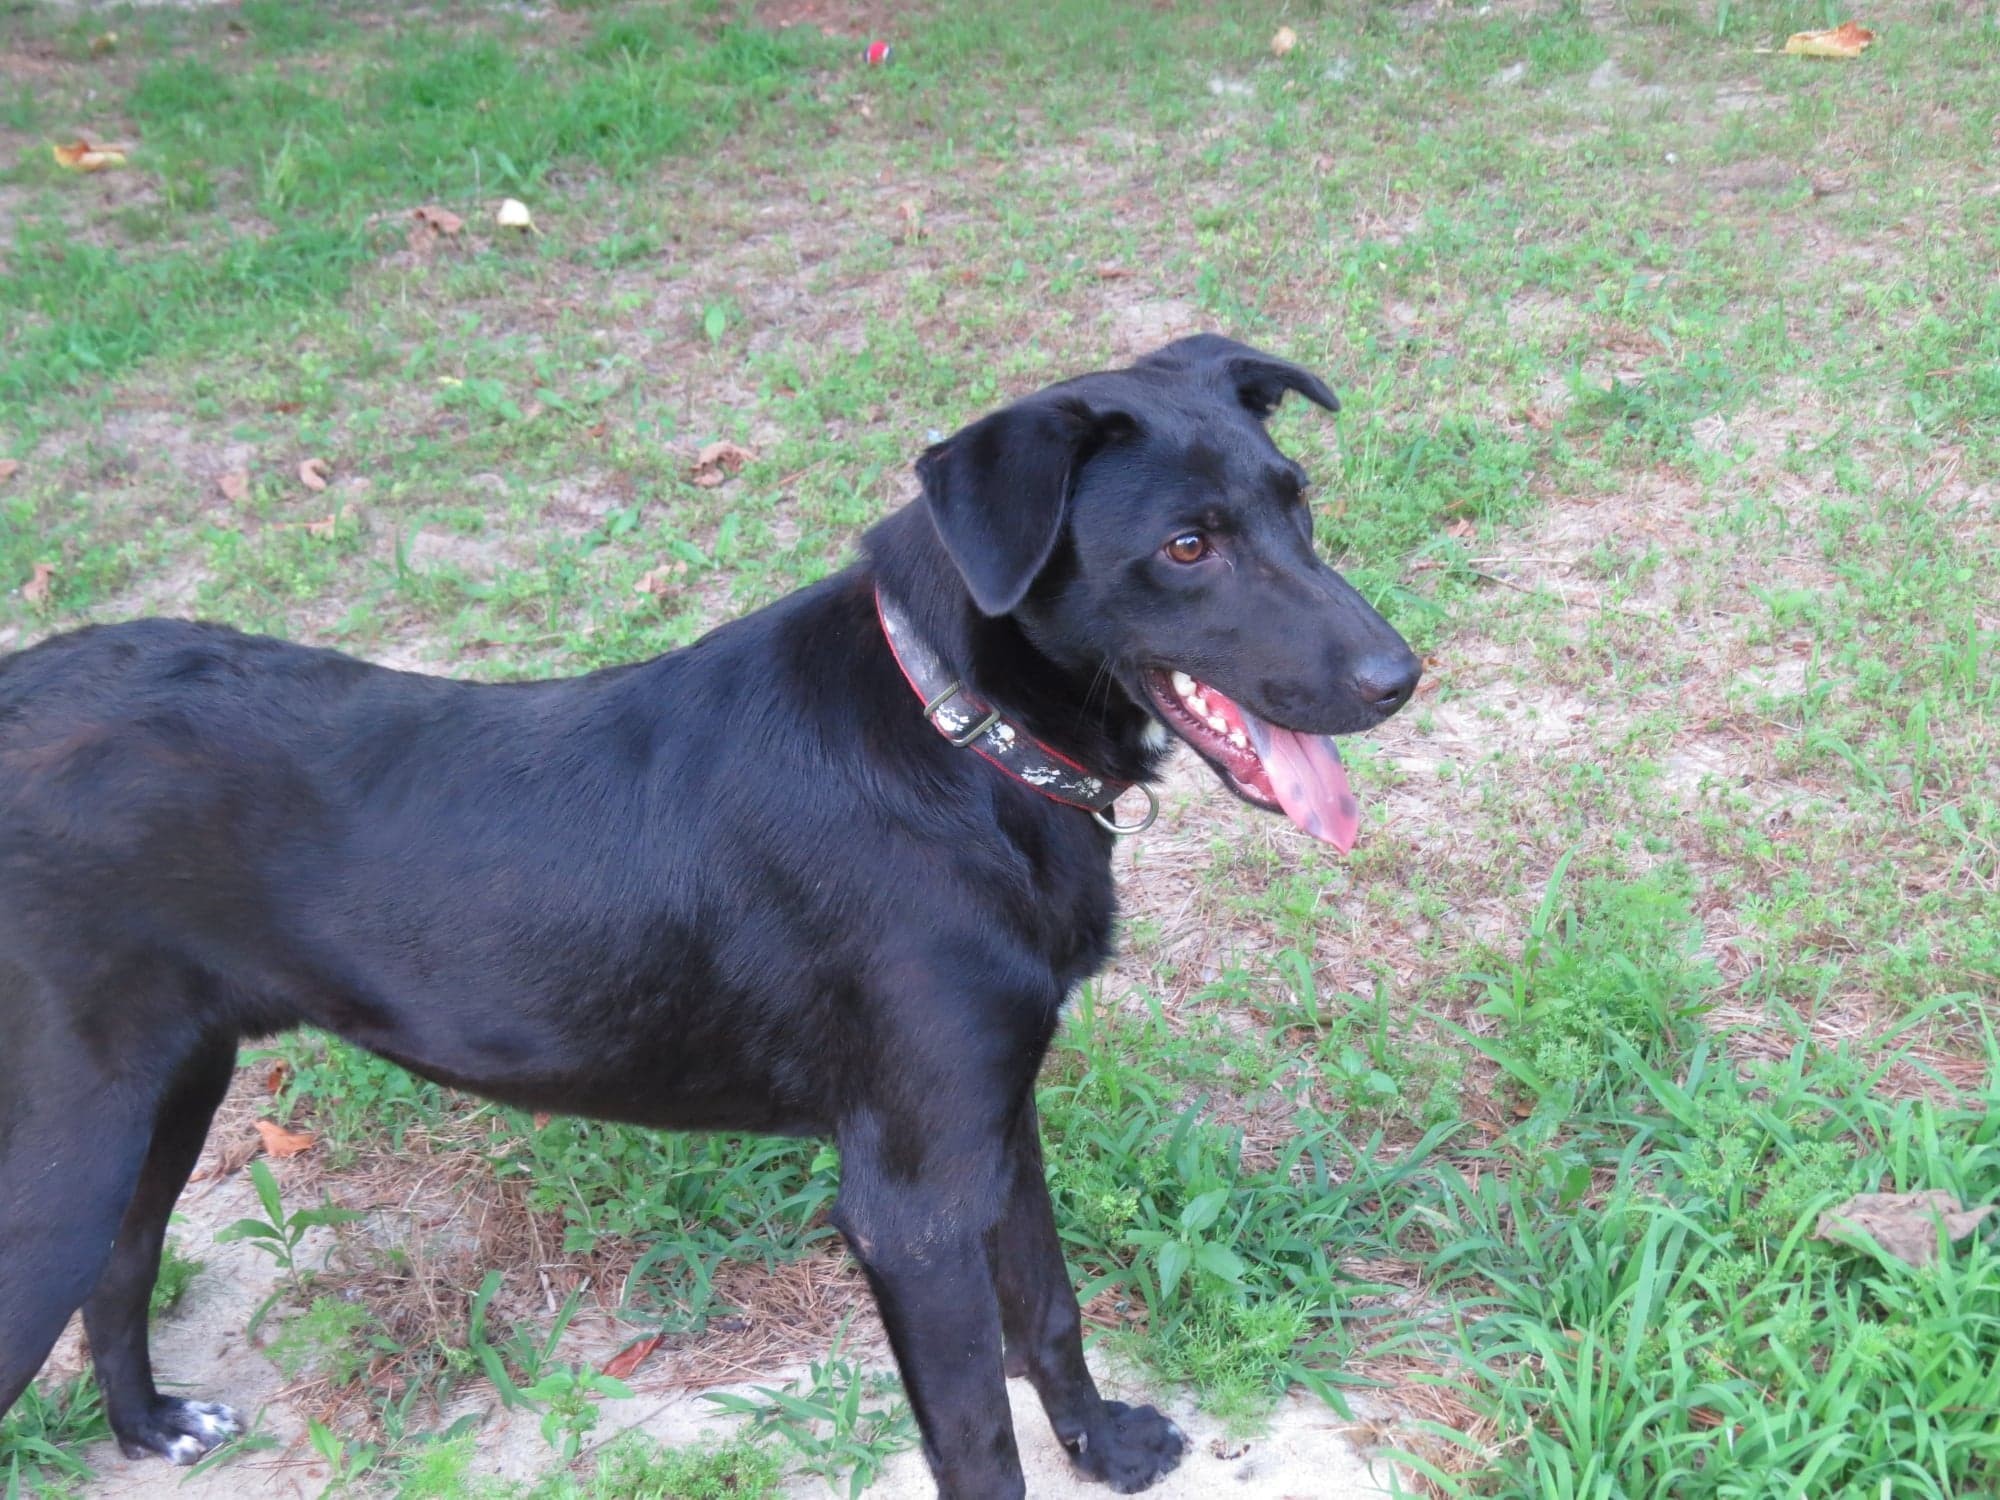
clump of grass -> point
(1617, 968)
(1686, 1332)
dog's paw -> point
(1127, 1447)
(180, 1431)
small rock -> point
(1508, 76)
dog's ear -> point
(1260, 379)
(997, 490)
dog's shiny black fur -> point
(741, 887)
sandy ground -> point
(201, 1350)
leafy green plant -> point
(839, 1420)
(280, 1233)
(178, 1270)
(568, 1396)
(42, 1435)
(328, 1339)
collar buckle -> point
(958, 741)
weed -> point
(828, 1421)
(178, 1270)
(279, 1233)
(43, 1433)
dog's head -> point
(1142, 521)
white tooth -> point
(1219, 724)
(1183, 684)
(1239, 739)
(1198, 703)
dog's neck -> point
(1079, 709)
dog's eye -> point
(1188, 547)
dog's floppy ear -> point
(996, 490)
(1260, 379)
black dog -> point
(742, 887)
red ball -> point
(877, 54)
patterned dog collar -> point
(972, 725)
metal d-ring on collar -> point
(1121, 829)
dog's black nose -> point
(1387, 681)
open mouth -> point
(1297, 774)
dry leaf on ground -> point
(279, 1141)
(80, 156)
(9, 467)
(313, 473)
(41, 584)
(323, 527)
(1904, 1225)
(1848, 39)
(235, 486)
(1283, 40)
(229, 1159)
(621, 1365)
(442, 220)
(279, 1075)
(661, 582)
(717, 462)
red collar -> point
(972, 725)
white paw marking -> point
(185, 1450)
(213, 1420)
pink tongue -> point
(1311, 783)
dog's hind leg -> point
(115, 1316)
(1126, 1447)
(71, 1145)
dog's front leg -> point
(1123, 1446)
(917, 1205)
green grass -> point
(1671, 392)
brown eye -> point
(1188, 547)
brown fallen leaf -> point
(9, 467)
(41, 584)
(717, 462)
(80, 156)
(542, 1118)
(438, 220)
(323, 527)
(235, 486)
(1463, 530)
(313, 473)
(1283, 40)
(913, 220)
(1848, 39)
(229, 1160)
(621, 1365)
(279, 1141)
(661, 582)
(1903, 1225)
(279, 1074)
(1109, 272)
